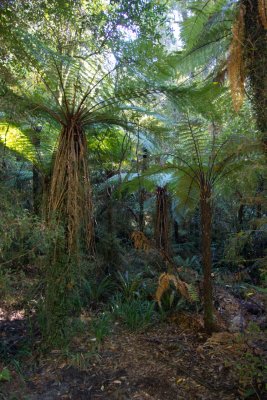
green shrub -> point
(101, 327)
(130, 286)
(5, 375)
(136, 314)
(5, 282)
(97, 290)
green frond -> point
(206, 35)
(15, 140)
(208, 16)
(197, 99)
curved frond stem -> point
(52, 113)
(205, 45)
(214, 158)
(220, 177)
(222, 167)
(89, 90)
(50, 91)
(189, 191)
(195, 173)
(125, 97)
(74, 94)
(196, 146)
(62, 87)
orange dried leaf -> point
(140, 240)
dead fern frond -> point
(236, 66)
(163, 285)
(262, 7)
(164, 282)
(140, 240)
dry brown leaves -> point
(140, 240)
(164, 282)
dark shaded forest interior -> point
(133, 213)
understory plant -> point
(135, 314)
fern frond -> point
(15, 140)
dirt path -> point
(167, 362)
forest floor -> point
(171, 360)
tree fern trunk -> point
(255, 47)
(70, 207)
(70, 195)
(206, 217)
(162, 225)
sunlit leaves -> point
(14, 139)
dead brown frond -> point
(140, 240)
(236, 66)
(164, 282)
(262, 7)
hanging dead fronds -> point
(70, 194)
(236, 65)
(140, 240)
(164, 282)
(262, 7)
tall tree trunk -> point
(37, 180)
(255, 47)
(141, 219)
(37, 190)
(38, 185)
(206, 218)
(176, 232)
(240, 215)
(162, 225)
(142, 192)
(110, 219)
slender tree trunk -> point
(142, 192)
(37, 181)
(162, 225)
(206, 218)
(110, 219)
(37, 190)
(141, 219)
(241, 216)
(176, 232)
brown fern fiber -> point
(70, 195)
(236, 70)
(262, 7)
